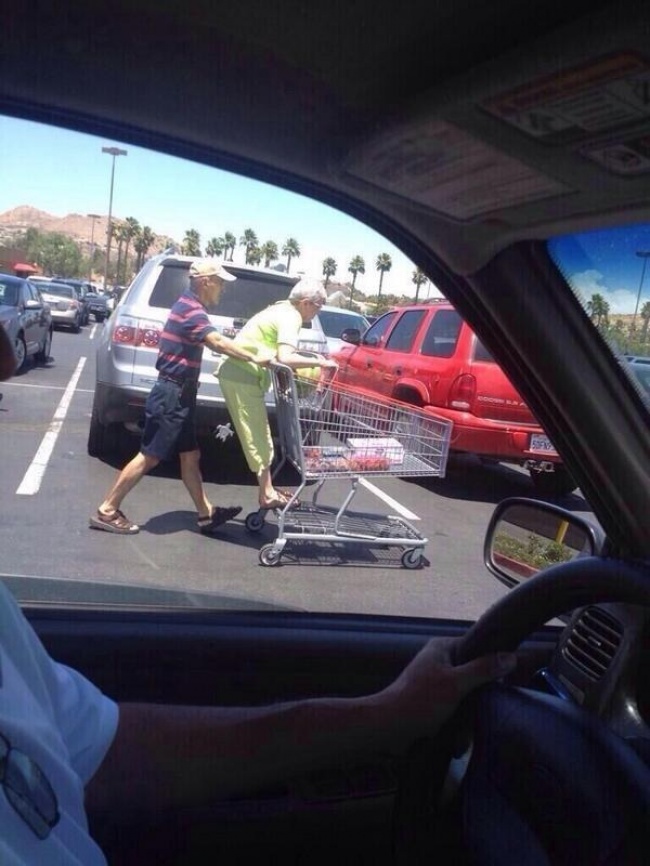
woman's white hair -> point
(308, 290)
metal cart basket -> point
(329, 431)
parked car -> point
(26, 318)
(503, 147)
(98, 306)
(82, 287)
(64, 303)
(128, 346)
(427, 356)
(335, 320)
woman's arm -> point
(291, 358)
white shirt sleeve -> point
(84, 718)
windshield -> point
(608, 271)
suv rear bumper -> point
(501, 440)
(125, 405)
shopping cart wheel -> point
(254, 521)
(270, 555)
(412, 558)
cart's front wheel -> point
(270, 555)
(254, 521)
(412, 558)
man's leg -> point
(209, 517)
(109, 516)
(192, 479)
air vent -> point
(593, 642)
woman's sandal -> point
(219, 516)
(281, 501)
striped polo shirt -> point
(181, 343)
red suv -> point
(426, 355)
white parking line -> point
(92, 331)
(392, 503)
(31, 483)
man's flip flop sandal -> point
(219, 516)
(117, 523)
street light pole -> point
(113, 151)
(645, 255)
(93, 217)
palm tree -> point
(269, 252)
(598, 309)
(291, 249)
(249, 241)
(329, 270)
(214, 247)
(229, 244)
(645, 315)
(255, 256)
(383, 264)
(120, 232)
(356, 266)
(419, 278)
(191, 243)
(141, 244)
(131, 230)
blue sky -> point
(64, 172)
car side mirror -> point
(526, 536)
(33, 304)
(351, 335)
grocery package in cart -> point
(328, 431)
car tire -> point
(76, 326)
(43, 354)
(20, 350)
(557, 483)
(104, 440)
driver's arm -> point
(170, 756)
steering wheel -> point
(547, 782)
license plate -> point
(541, 444)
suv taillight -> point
(462, 392)
(129, 331)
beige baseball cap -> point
(210, 268)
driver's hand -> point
(429, 689)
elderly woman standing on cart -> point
(244, 384)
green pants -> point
(243, 387)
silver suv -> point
(128, 345)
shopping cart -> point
(328, 431)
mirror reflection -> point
(527, 539)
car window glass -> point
(402, 336)
(242, 299)
(609, 272)
(480, 353)
(375, 333)
(442, 334)
(334, 323)
(61, 291)
(8, 294)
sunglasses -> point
(28, 790)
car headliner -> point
(284, 89)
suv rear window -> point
(241, 299)
(442, 334)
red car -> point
(426, 355)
